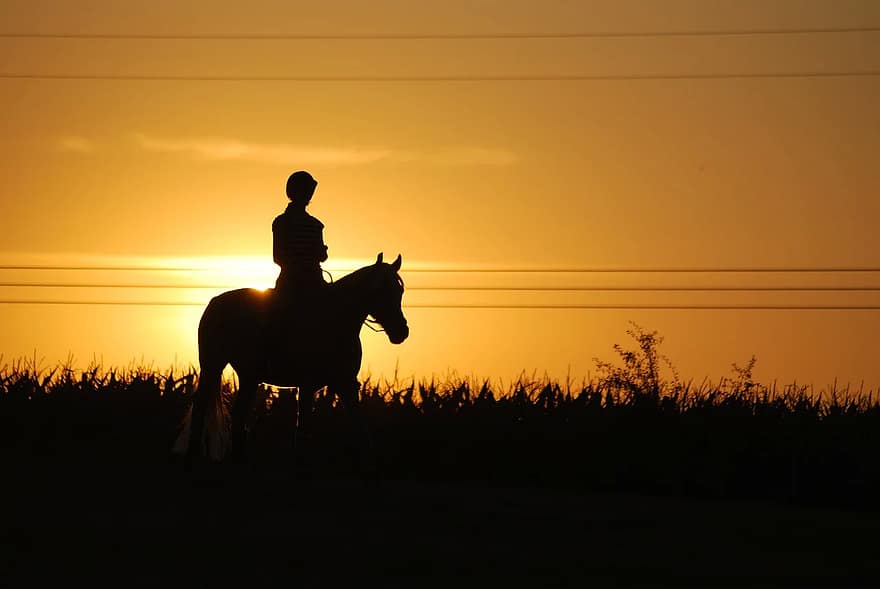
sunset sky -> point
(464, 135)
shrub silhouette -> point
(635, 427)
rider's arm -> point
(322, 248)
(276, 250)
(277, 245)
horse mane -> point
(355, 278)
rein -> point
(371, 323)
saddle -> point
(293, 322)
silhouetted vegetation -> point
(630, 429)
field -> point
(632, 478)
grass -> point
(630, 429)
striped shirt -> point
(298, 239)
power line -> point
(656, 270)
(53, 268)
(490, 270)
(113, 285)
(479, 288)
(647, 288)
(654, 307)
(441, 36)
(494, 306)
(425, 79)
(103, 303)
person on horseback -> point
(298, 248)
(298, 239)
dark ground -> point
(522, 491)
(246, 526)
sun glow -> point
(245, 271)
(232, 271)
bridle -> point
(372, 323)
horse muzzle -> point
(398, 335)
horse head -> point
(385, 302)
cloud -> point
(223, 149)
(75, 144)
(466, 156)
(218, 149)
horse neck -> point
(354, 289)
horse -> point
(325, 351)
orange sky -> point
(730, 172)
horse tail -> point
(206, 425)
(215, 432)
(229, 319)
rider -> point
(298, 248)
(298, 240)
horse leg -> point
(241, 411)
(359, 440)
(302, 432)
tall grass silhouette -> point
(634, 427)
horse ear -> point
(379, 258)
(396, 264)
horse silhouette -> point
(323, 348)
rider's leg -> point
(275, 330)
